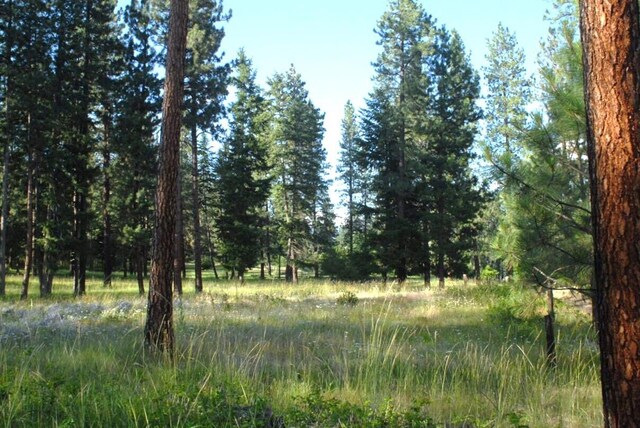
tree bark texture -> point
(178, 258)
(159, 335)
(611, 55)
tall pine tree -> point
(299, 161)
(242, 181)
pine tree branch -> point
(535, 190)
(550, 280)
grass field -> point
(321, 354)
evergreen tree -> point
(242, 183)
(508, 94)
(453, 197)
(348, 167)
(506, 118)
(546, 223)
(393, 129)
(134, 147)
(205, 90)
(158, 331)
(299, 161)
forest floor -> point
(316, 354)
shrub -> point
(348, 298)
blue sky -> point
(332, 44)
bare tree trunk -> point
(212, 250)
(427, 257)
(197, 248)
(178, 260)
(158, 331)
(550, 335)
(80, 250)
(4, 216)
(611, 55)
(46, 268)
(28, 258)
(268, 243)
(441, 270)
(106, 213)
(140, 266)
(7, 149)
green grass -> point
(315, 354)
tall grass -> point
(255, 354)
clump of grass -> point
(347, 298)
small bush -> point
(348, 298)
(488, 274)
(317, 410)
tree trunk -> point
(550, 330)
(107, 251)
(140, 266)
(351, 210)
(4, 215)
(212, 250)
(441, 270)
(178, 259)
(197, 248)
(427, 257)
(268, 244)
(8, 44)
(158, 331)
(611, 55)
(80, 251)
(46, 268)
(28, 258)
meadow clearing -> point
(315, 354)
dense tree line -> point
(412, 196)
(80, 99)
(81, 96)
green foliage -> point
(242, 175)
(545, 222)
(417, 130)
(347, 298)
(488, 274)
(317, 410)
(300, 193)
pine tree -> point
(158, 331)
(546, 204)
(205, 90)
(453, 195)
(348, 167)
(611, 46)
(134, 146)
(506, 120)
(298, 160)
(508, 94)
(393, 129)
(241, 169)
